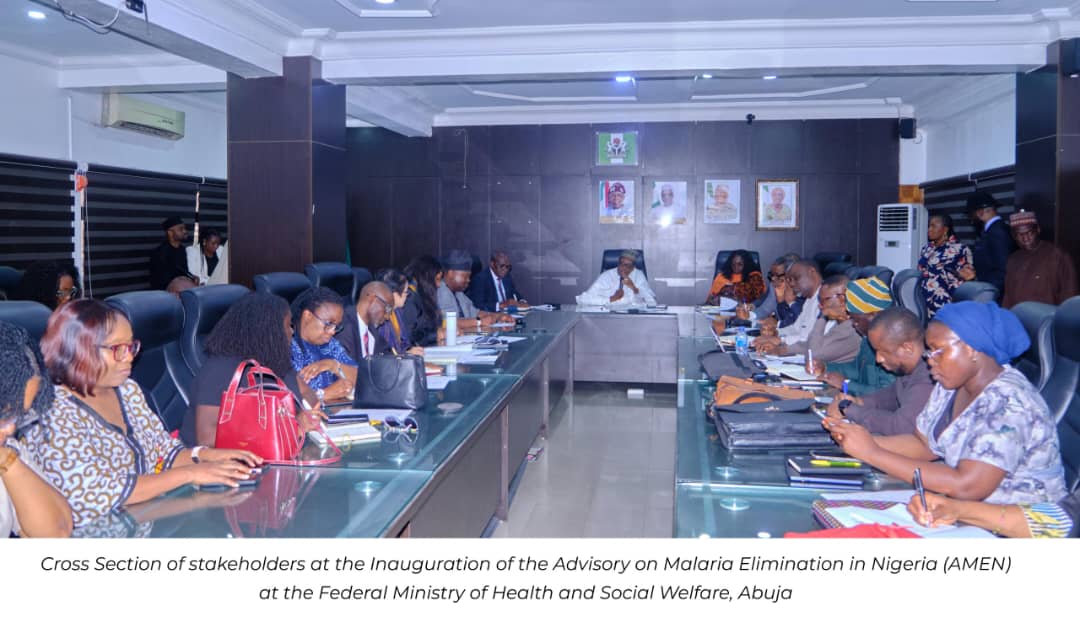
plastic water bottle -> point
(742, 342)
(451, 327)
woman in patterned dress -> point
(988, 426)
(1034, 520)
(944, 263)
(319, 359)
(100, 443)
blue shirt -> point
(303, 354)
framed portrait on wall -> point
(616, 202)
(722, 199)
(777, 205)
(616, 148)
(668, 203)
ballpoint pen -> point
(917, 480)
(844, 387)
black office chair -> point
(881, 272)
(285, 285)
(610, 259)
(157, 318)
(29, 315)
(9, 280)
(975, 291)
(849, 271)
(1038, 361)
(361, 276)
(1060, 391)
(333, 275)
(824, 258)
(907, 292)
(203, 308)
(721, 257)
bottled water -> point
(742, 342)
(451, 327)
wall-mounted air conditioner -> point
(126, 112)
(901, 234)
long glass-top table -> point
(725, 493)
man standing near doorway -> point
(169, 260)
(991, 251)
(1039, 271)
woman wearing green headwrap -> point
(988, 426)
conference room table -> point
(454, 477)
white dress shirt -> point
(608, 282)
(799, 331)
(368, 348)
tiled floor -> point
(607, 469)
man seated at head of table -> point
(985, 434)
(833, 337)
(457, 272)
(866, 298)
(804, 278)
(896, 337)
(621, 286)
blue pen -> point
(845, 386)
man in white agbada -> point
(623, 285)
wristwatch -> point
(7, 460)
(195, 454)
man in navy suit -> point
(992, 249)
(493, 290)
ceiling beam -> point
(390, 108)
(208, 32)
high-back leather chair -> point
(975, 291)
(610, 259)
(1060, 391)
(908, 293)
(333, 275)
(285, 285)
(203, 308)
(722, 256)
(1038, 361)
(29, 315)
(824, 258)
(361, 276)
(9, 280)
(881, 272)
(157, 318)
(836, 268)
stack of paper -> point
(895, 513)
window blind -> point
(949, 196)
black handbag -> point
(389, 381)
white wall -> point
(913, 159)
(34, 122)
(980, 137)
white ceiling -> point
(456, 14)
(57, 37)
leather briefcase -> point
(390, 381)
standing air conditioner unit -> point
(901, 234)
(125, 112)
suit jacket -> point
(839, 345)
(991, 254)
(350, 338)
(482, 290)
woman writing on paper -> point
(987, 424)
(1029, 520)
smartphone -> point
(351, 418)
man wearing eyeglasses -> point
(359, 335)
(833, 338)
(457, 272)
(493, 290)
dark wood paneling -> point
(466, 216)
(1036, 179)
(827, 147)
(327, 113)
(1036, 104)
(250, 116)
(1068, 217)
(515, 227)
(415, 216)
(371, 228)
(329, 243)
(776, 148)
(846, 169)
(566, 223)
(722, 148)
(270, 208)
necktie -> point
(367, 352)
(502, 291)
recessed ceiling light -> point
(385, 1)
(768, 77)
(35, 15)
(623, 79)
(706, 76)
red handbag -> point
(261, 418)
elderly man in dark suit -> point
(992, 250)
(493, 290)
